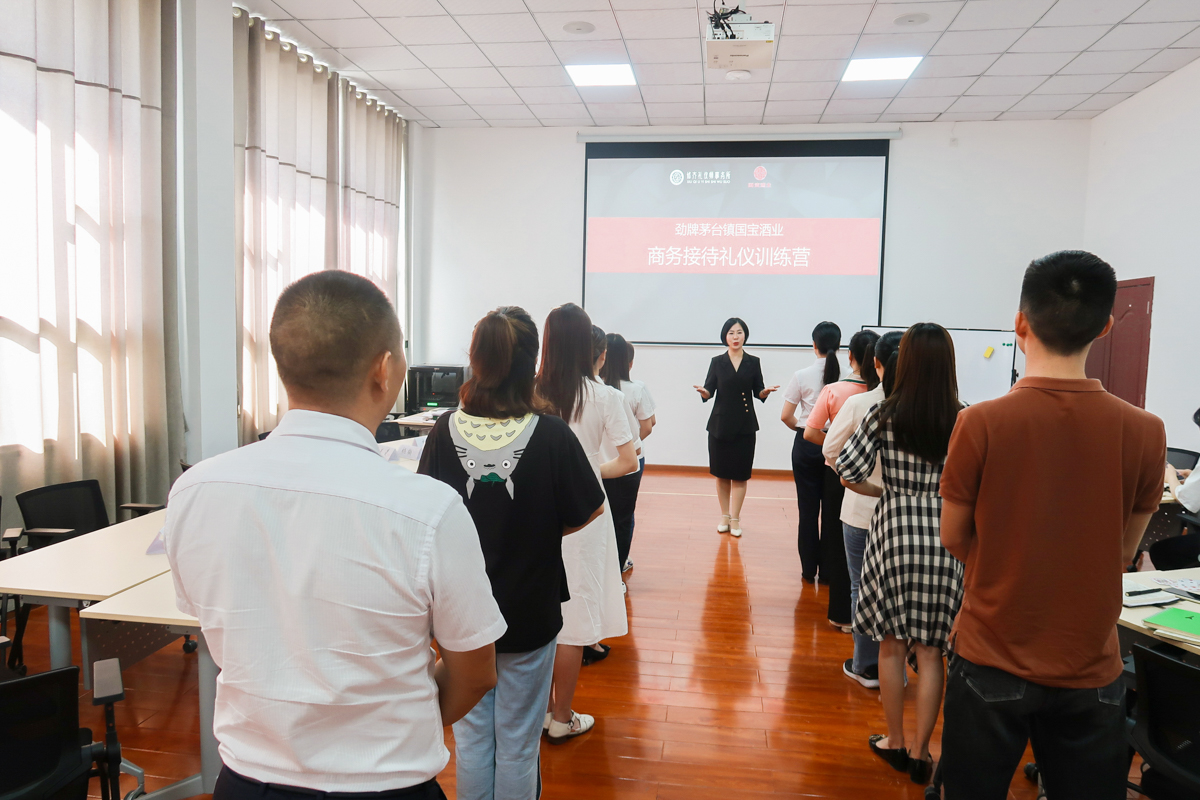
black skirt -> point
(731, 459)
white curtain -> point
(82, 367)
(320, 186)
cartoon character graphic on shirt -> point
(489, 449)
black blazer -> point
(733, 413)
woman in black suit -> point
(734, 376)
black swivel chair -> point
(44, 754)
(1182, 459)
(1166, 728)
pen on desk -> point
(1136, 592)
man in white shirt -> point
(321, 573)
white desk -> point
(1132, 617)
(78, 572)
(422, 419)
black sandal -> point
(591, 655)
(920, 770)
(896, 758)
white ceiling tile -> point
(462, 123)
(676, 121)
(669, 73)
(490, 96)
(337, 58)
(501, 28)
(968, 116)
(734, 109)
(609, 94)
(514, 123)
(1166, 11)
(868, 89)
(1144, 36)
(362, 79)
(935, 87)
(1079, 113)
(297, 32)
(421, 98)
(598, 52)
(675, 109)
(814, 48)
(426, 30)
(838, 119)
(1110, 61)
(907, 117)
(439, 56)
(375, 58)
(616, 109)
(439, 112)
(794, 107)
(664, 51)
(524, 54)
(621, 122)
(1191, 40)
(471, 77)
(1103, 101)
(1059, 40)
(726, 92)
(820, 90)
(872, 106)
(1089, 12)
(1075, 84)
(505, 111)
(1050, 102)
(1011, 115)
(552, 25)
(824, 20)
(567, 5)
(894, 45)
(941, 14)
(536, 76)
(1169, 60)
(662, 23)
(920, 105)
(979, 15)
(1029, 63)
(796, 71)
(401, 8)
(1135, 81)
(267, 9)
(398, 79)
(570, 122)
(457, 7)
(549, 94)
(350, 32)
(985, 103)
(1001, 85)
(322, 9)
(673, 94)
(559, 110)
(956, 43)
(953, 66)
(722, 76)
(755, 119)
(793, 119)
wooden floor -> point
(729, 683)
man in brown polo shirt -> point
(1047, 492)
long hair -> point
(504, 351)
(862, 350)
(828, 338)
(887, 350)
(923, 405)
(599, 343)
(566, 361)
(616, 367)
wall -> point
(1143, 216)
(498, 218)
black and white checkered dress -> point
(911, 585)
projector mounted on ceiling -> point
(733, 40)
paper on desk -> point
(1186, 584)
(157, 548)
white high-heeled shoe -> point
(724, 526)
(735, 527)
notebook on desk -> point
(1183, 623)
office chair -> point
(1166, 726)
(1182, 459)
(46, 755)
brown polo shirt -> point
(1054, 469)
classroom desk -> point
(422, 419)
(78, 572)
(1132, 617)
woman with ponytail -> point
(808, 465)
(527, 483)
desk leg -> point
(60, 636)
(210, 758)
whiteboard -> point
(979, 377)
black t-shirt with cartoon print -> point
(522, 488)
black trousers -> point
(834, 572)
(808, 466)
(232, 786)
(622, 500)
(1077, 734)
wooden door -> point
(1120, 360)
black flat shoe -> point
(592, 655)
(896, 758)
(920, 770)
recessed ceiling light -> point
(579, 28)
(601, 74)
(880, 69)
(737, 75)
(908, 20)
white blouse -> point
(805, 387)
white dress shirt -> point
(1189, 493)
(856, 508)
(641, 402)
(320, 574)
(805, 387)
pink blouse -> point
(833, 396)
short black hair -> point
(729, 323)
(327, 329)
(1068, 297)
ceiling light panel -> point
(880, 69)
(601, 75)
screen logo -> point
(760, 173)
(677, 177)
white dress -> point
(640, 402)
(596, 609)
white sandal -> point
(735, 527)
(560, 732)
(724, 526)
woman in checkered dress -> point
(911, 585)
